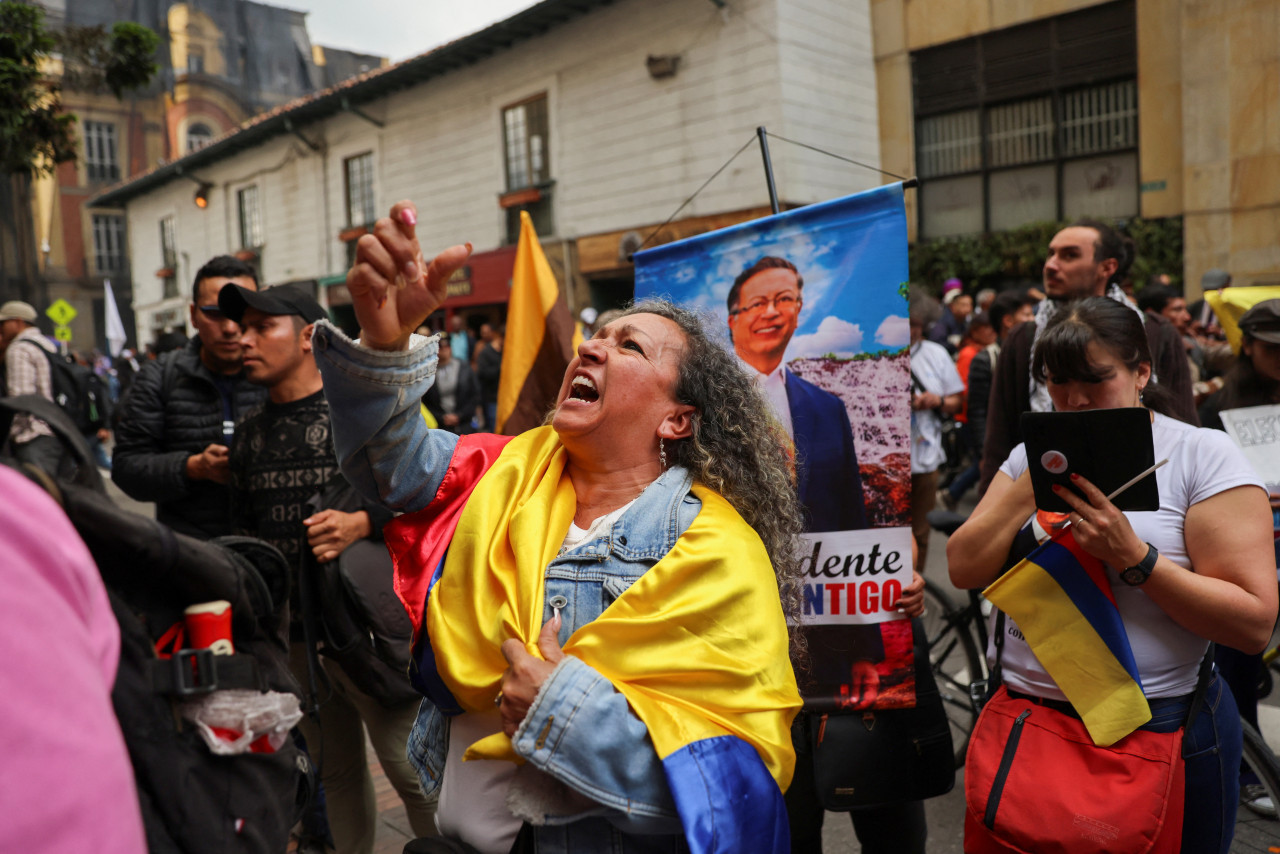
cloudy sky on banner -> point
(399, 29)
(852, 258)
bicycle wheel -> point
(955, 660)
(1262, 762)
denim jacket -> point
(579, 730)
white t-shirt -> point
(932, 365)
(773, 386)
(1202, 463)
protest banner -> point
(813, 302)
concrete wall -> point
(1231, 138)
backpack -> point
(78, 391)
(192, 801)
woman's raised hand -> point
(1100, 527)
(393, 288)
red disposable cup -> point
(209, 627)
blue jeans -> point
(1212, 755)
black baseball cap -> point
(1263, 321)
(282, 299)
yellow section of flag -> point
(534, 291)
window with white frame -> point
(361, 206)
(526, 154)
(108, 243)
(101, 159)
(250, 217)
(198, 136)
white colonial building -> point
(600, 118)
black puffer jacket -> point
(174, 410)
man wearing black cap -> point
(282, 457)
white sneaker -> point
(1255, 797)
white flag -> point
(116, 336)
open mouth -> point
(582, 388)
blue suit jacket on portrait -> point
(827, 478)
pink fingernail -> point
(408, 217)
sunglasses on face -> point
(212, 312)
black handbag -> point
(362, 623)
(885, 756)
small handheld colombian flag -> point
(1062, 602)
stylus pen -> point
(1067, 524)
(1136, 478)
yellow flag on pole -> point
(538, 346)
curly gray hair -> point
(737, 449)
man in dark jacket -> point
(176, 425)
(1086, 259)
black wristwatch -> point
(1139, 573)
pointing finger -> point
(405, 215)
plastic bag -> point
(232, 722)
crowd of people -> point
(605, 608)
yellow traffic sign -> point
(61, 313)
(62, 333)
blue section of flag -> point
(1092, 602)
(727, 800)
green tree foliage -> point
(119, 61)
(35, 134)
(1000, 258)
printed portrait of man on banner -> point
(812, 302)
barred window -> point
(108, 243)
(1030, 123)
(250, 218)
(1021, 132)
(361, 207)
(100, 158)
(948, 144)
(1100, 119)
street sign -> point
(61, 313)
(62, 333)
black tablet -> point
(1107, 446)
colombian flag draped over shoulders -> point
(698, 644)
(1061, 599)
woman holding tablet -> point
(1197, 570)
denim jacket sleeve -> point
(385, 449)
(584, 733)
